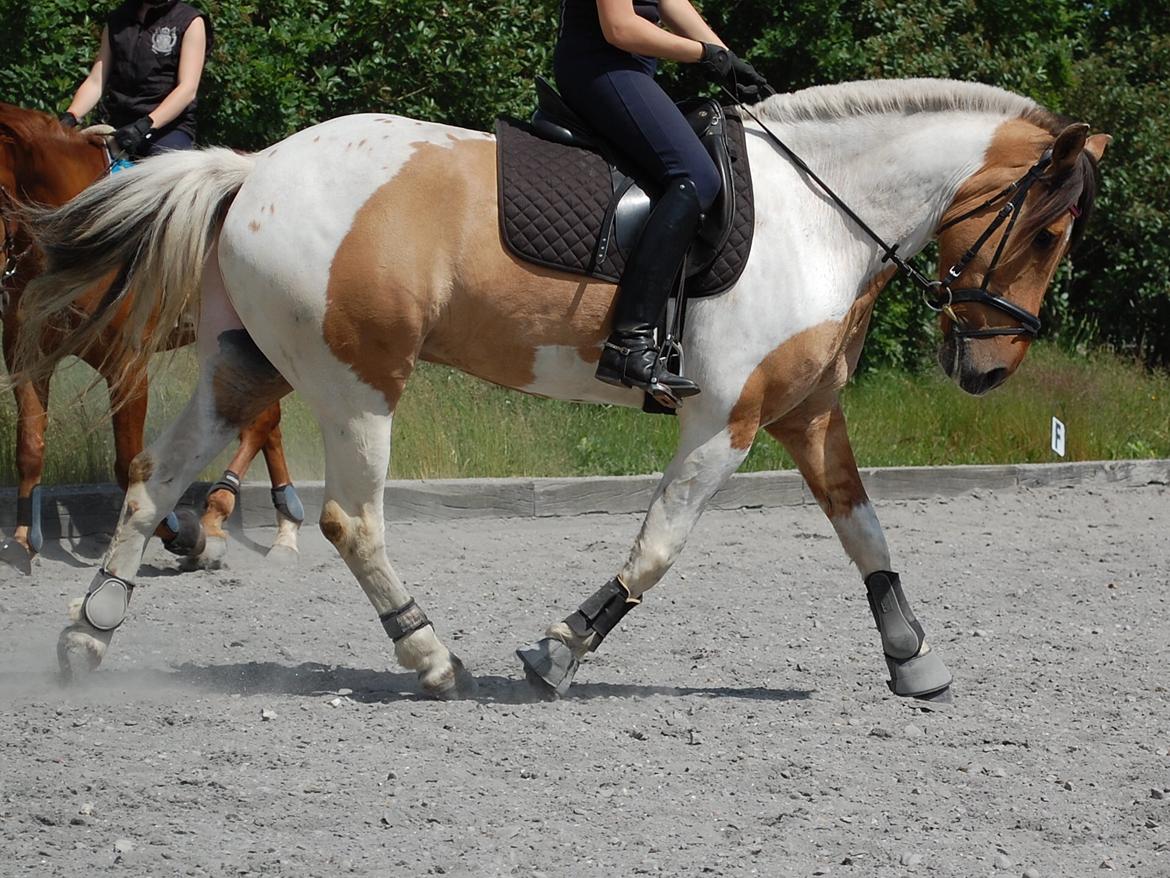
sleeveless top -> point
(581, 43)
(145, 66)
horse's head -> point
(43, 163)
(1002, 240)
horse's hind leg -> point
(357, 454)
(262, 434)
(819, 443)
(705, 460)
(235, 383)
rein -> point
(940, 295)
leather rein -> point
(941, 295)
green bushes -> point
(280, 65)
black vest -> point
(581, 42)
(145, 66)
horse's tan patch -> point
(141, 469)
(423, 272)
(818, 441)
(254, 226)
(818, 359)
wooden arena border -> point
(72, 511)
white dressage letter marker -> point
(1058, 436)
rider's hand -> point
(135, 138)
(67, 120)
(723, 67)
(716, 62)
(750, 86)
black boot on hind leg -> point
(915, 671)
(550, 663)
(631, 354)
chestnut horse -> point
(332, 262)
(42, 163)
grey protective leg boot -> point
(630, 357)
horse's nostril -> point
(994, 378)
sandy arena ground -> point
(250, 721)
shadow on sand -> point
(371, 686)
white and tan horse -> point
(335, 260)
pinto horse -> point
(335, 260)
(43, 163)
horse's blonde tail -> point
(149, 228)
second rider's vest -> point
(145, 65)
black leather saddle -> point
(633, 199)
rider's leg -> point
(629, 108)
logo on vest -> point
(163, 41)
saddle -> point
(569, 201)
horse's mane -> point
(906, 96)
(825, 103)
(30, 125)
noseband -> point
(939, 295)
(944, 295)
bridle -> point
(941, 295)
(11, 256)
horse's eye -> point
(1044, 239)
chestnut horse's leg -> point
(263, 434)
(289, 511)
(816, 437)
(705, 460)
(32, 403)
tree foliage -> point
(280, 65)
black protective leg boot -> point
(630, 356)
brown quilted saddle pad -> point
(554, 206)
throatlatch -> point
(105, 603)
(913, 671)
(405, 620)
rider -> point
(148, 69)
(605, 60)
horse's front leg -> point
(705, 460)
(32, 402)
(819, 443)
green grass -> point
(449, 425)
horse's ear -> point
(1095, 145)
(1069, 145)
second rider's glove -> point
(136, 137)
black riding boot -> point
(630, 356)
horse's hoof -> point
(922, 676)
(285, 556)
(450, 683)
(213, 555)
(941, 697)
(79, 653)
(189, 539)
(16, 555)
(549, 666)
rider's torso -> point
(145, 65)
(581, 42)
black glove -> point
(67, 120)
(135, 138)
(725, 68)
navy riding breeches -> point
(624, 104)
